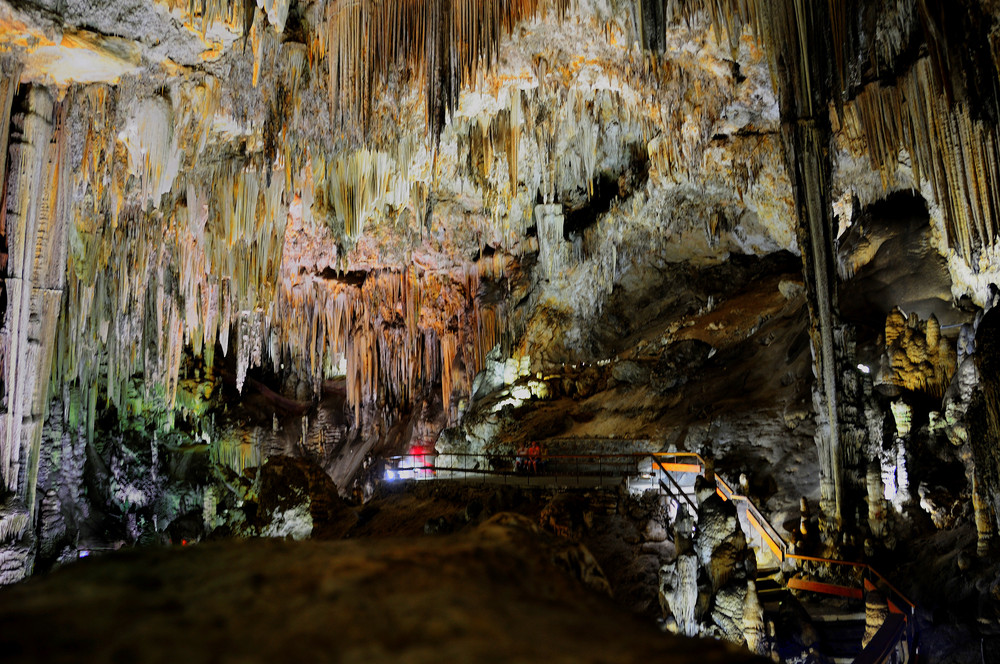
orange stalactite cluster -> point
(399, 331)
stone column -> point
(37, 187)
(37, 201)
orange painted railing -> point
(896, 637)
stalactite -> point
(950, 149)
(400, 331)
(201, 14)
(447, 42)
(354, 187)
(949, 145)
(13, 526)
(153, 153)
(141, 291)
(560, 132)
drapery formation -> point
(444, 45)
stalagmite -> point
(902, 414)
(876, 611)
(876, 500)
(984, 518)
(679, 581)
(753, 621)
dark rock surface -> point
(505, 591)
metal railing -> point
(893, 644)
(544, 469)
(895, 641)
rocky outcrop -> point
(720, 544)
(504, 590)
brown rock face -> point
(474, 597)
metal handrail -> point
(885, 641)
(883, 644)
(680, 490)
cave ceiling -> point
(274, 178)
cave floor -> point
(501, 592)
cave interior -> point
(500, 330)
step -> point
(767, 589)
(846, 617)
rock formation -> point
(252, 251)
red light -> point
(184, 542)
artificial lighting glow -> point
(864, 368)
(521, 392)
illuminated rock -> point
(36, 229)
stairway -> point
(840, 636)
(770, 590)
